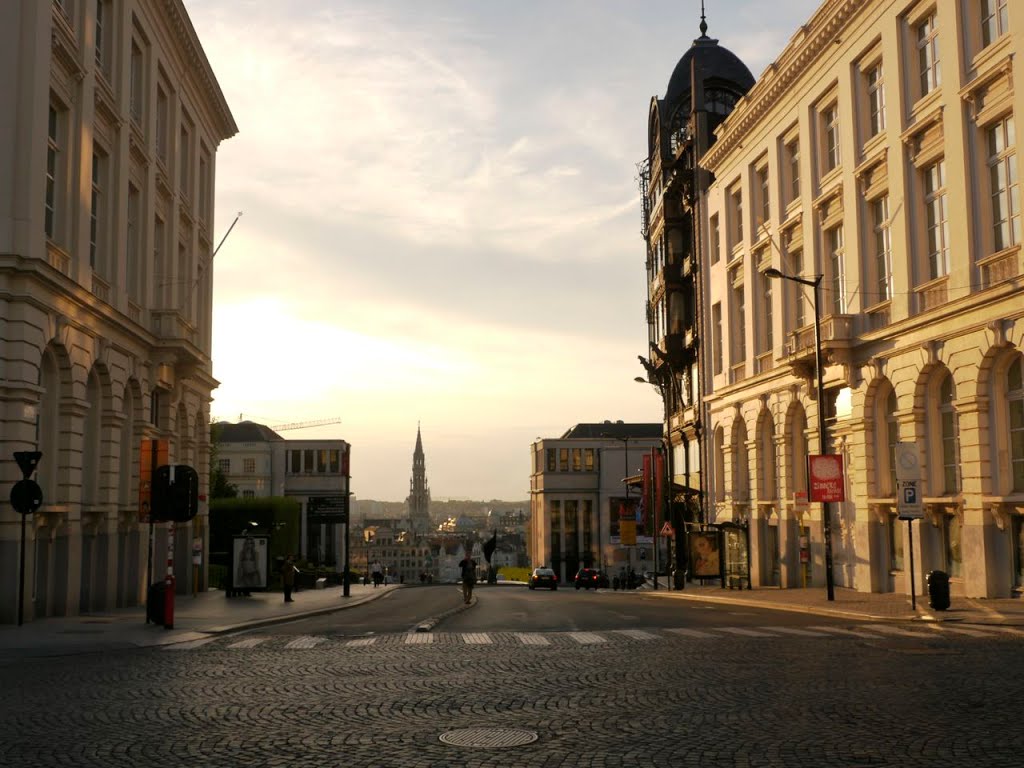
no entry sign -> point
(826, 478)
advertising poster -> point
(631, 510)
(249, 564)
(705, 561)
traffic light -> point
(175, 493)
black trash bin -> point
(938, 590)
(155, 602)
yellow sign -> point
(627, 532)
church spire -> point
(419, 491)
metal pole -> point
(822, 442)
(21, 575)
(913, 586)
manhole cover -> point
(488, 737)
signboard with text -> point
(327, 509)
(825, 478)
(908, 500)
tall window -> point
(184, 158)
(830, 125)
(52, 158)
(837, 269)
(101, 58)
(767, 335)
(739, 324)
(715, 238)
(937, 219)
(716, 335)
(1002, 172)
(994, 20)
(735, 217)
(162, 118)
(793, 164)
(876, 100)
(133, 265)
(950, 431)
(249, 466)
(137, 84)
(796, 267)
(99, 163)
(160, 267)
(763, 198)
(928, 55)
(1015, 398)
(882, 248)
(551, 464)
(895, 543)
(563, 459)
(892, 436)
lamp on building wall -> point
(826, 512)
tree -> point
(220, 488)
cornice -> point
(199, 66)
(807, 46)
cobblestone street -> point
(856, 695)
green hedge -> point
(275, 516)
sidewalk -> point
(851, 604)
(194, 617)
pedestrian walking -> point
(467, 567)
(288, 571)
(378, 573)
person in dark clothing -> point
(288, 571)
(467, 568)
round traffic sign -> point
(26, 496)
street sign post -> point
(909, 507)
(26, 498)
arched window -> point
(887, 431)
(950, 455)
(1015, 401)
(719, 464)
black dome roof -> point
(718, 63)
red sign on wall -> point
(826, 478)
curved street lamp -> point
(772, 272)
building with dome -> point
(704, 88)
(876, 159)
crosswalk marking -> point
(586, 638)
(419, 638)
(794, 631)
(1008, 630)
(845, 631)
(190, 644)
(477, 638)
(305, 642)
(362, 641)
(532, 639)
(744, 631)
(960, 631)
(691, 632)
(249, 642)
(888, 629)
(635, 634)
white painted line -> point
(691, 632)
(635, 634)
(962, 631)
(745, 632)
(362, 641)
(304, 643)
(532, 639)
(189, 645)
(586, 638)
(845, 631)
(249, 642)
(419, 638)
(476, 638)
(794, 631)
(1018, 631)
(887, 629)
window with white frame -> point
(763, 199)
(830, 132)
(949, 431)
(735, 216)
(738, 324)
(55, 124)
(881, 249)
(929, 71)
(793, 169)
(798, 298)
(1015, 403)
(766, 331)
(1002, 172)
(224, 465)
(836, 270)
(715, 239)
(716, 336)
(994, 20)
(936, 219)
(876, 99)
(249, 466)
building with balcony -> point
(581, 484)
(879, 152)
(111, 120)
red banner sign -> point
(825, 474)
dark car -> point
(543, 577)
(591, 577)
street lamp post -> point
(772, 272)
(667, 447)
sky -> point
(441, 220)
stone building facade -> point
(878, 151)
(110, 128)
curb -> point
(791, 608)
(429, 624)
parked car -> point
(543, 577)
(591, 577)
